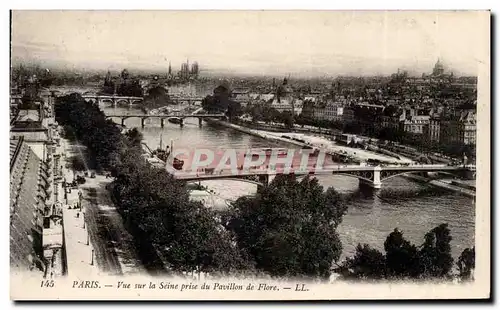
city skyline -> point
(301, 43)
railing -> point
(309, 170)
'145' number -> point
(47, 283)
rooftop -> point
(28, 192)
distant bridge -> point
(370, 175)
(115, 100)
(163, 117)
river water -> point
(412, 207)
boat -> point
(175, 120)
(178, 163)
(268, 152)
(343, 158)
(163, 155)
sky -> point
(301, 43)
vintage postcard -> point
(249, 155)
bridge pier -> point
(114, 103)
(162, 120)
(143, 120)
(182, 122)
(369, 184)
(123, 122)
(200, 121)
(375, 181)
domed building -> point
(438, 68)
(284, 91)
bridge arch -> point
(454, 174)
(230, 179)
(106, 100)
(191, 116)
(351, 175)
(122, 102)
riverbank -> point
(316, 142)
(446, 184)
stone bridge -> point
(113, 99)
(116, 100)
(163, 117)
(369, 175)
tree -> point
(134, 136)
(401, 256)
(130, 88)
(157, 97)
(234, 110)
(435, 254)
(287, 119)
(367, 263)
(403, 260)
(289, 227)
(78, 163)
(466, 263)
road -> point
(114, 246)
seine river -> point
(412, 207)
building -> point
(282, 105)
(330, 111)
(459, 129)
(195, 70)
(348, 115)
(438, 69)
(29, 191)
(393, 117)
(30, 124)
(416, 124)
(434, 129)
(308, 109)
(284, 99)
(187, 72)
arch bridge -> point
(113, 100)
(369, 175)
(179, 116)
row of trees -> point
(154, 206)
(87, 123)
(267, 114)
(404, 260)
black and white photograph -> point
(249, 155)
